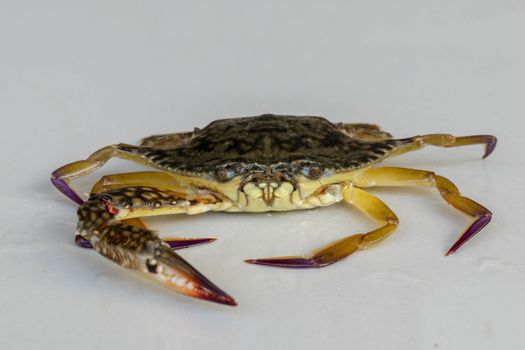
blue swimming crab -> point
(252, 164)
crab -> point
(251, 164)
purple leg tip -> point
(490, 146)
(300, 263)
(63, 187)
(82, 242)
(185, 243)
(471, 232)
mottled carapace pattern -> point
(267, 140)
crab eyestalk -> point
(141, 249)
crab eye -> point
(312, 171)
(224, 174)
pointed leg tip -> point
(82, 242)
(208, 240)
(63, 187)
(268, 262)
(471, 231)
(289, 262)
(185, 243)
(490, 146)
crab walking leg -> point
(62, 176)
(141, 249)
(365, 202)
(447, 140)
(140, 178)
(410, 177)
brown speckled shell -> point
(268, 140)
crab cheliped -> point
(252, 164)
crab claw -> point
(170, 269)
(174, 272)
(159, 261)
(140, 249)
(177, 274)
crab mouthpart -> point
(268, 195)
(268, 191)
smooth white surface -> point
(75, 76)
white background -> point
(76, 76)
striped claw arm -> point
(138, 248)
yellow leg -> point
(62, 176)
(104, 223)
(447, 140)
(141, 178)
(365, 202)
(410, 177)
